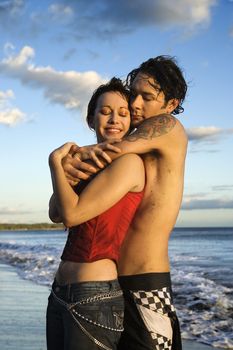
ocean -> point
(201, 268)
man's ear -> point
(172, 104)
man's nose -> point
(136, 102)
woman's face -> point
(112, 116)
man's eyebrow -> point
(144, 92)
(155, 86)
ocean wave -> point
(205, 309)
(204, 304)
(37, 263)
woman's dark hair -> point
(169, 76)
(114, 85)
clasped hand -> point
(79, 163)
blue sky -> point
(53, 54)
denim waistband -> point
(78, 291)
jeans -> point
(75, 329)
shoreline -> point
(23, 312)
(52, 227)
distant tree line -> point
(39, 226)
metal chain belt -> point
(103, 296)
(88, 334)
(70, 307)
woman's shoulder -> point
(131, 163)
(130, 159)
(132, 166)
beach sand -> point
(23, 308)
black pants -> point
(150, 321)
(63, 325)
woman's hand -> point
(55, 158)
(97, 153)
(82, 162)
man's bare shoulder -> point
(161, 132)
(157, 126)
(180, 131)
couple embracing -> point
(120, 200)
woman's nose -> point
(114, 118)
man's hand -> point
(75, 169)
(82, 162)
(97, 153)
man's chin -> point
(136, 122)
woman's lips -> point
(113, 130)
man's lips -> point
(136, 116)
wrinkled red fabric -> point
(102, 236)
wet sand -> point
(23, 308)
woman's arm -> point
(54, 214)
(53, 211)
(160, 133)
(122, 176)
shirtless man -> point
(157, 89)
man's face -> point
(112, 117)
(147, 99)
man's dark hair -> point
(169, 76)
(114, 85)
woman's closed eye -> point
(105, 110)
(124, 112)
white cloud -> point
(11, 12)
(106, 19)
(4, 96)
(9, 115)
(13, 62)
(195, 204)
(11, 7)
(60, 12)
(71, 89)
(222, 188)
(8, 48)
(197, 201)
(127, 15)
(208, 134)
(13, 211)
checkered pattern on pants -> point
(156, 310)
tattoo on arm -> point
(153, 127)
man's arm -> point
(154, 134)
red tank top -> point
(102, 236)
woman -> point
(85, 309)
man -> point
(157, 90)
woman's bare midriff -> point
(73, 272)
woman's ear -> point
(92, 123)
